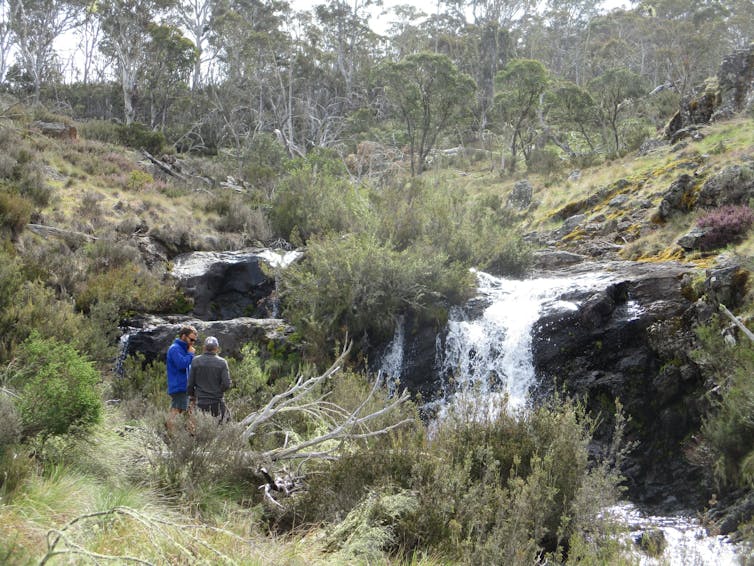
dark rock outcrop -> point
(732, 185)
(521, 195)
(679, 198)
(151, 336)
(730, 92)
(228, 285)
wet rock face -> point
(225, 285)
(631, 341)
(234, 300)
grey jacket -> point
(209, 378)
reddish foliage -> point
(725, 225)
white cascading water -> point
(278, 260)
(490, 358)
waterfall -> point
(684, 539)
(123, 344)
(392, 361)
(487, 365)
(489, 356)
(278, 260)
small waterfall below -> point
(486, 365)
(683, 539)
(391, 364)
(490, 354)
(278, 260)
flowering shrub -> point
(725, 225)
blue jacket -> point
(178, 363)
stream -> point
(488, 351)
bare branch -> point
(341, 426)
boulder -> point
(732, 185)
(679, 198)
(225, 285)
(57, 130)
(521, 195)
(151, 336)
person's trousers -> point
(216, 409)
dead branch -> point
(153, 525)
(343, 426)
(165, 167)
(737, 322)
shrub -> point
(725, 225)
(357, 284)
(508, 490)
(546, 161)
(10, 424)
(139, 136)
(100, 130)
(15, 213)
(198, 461)
(727, 435)
(312, 201)
(131, 288)
(476, 231)
(58, 387)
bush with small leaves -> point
(100, 130)
(58, 388)
(10, 423)
(15, 213)
(139, 136)
(359, 284)
(725, 225)
(132, 289)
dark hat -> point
(211, 343)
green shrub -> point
(509, 490)
(131, 289)
(140, 386)
(15, 213)
(476, 232)
(546, 161)
(58, 387)
(139, 136)
(726, 446)
(100, 130)
(359, 285)
(313, 201)
(199, 461)
(10, 423)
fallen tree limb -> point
(737, 322)
(341, 426)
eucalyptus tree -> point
(6, 38)
(35, 25)
(333, 64)
(430, 95)
(169, 59)
(404, 32)
(125, 25)
(519, 87)
(615, 93)
(253, 89)
(197, 17)
(557, 37)
(573, 110)
(89, 35)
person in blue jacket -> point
(178, 362)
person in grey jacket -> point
(209, 379)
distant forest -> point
(538, 78)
